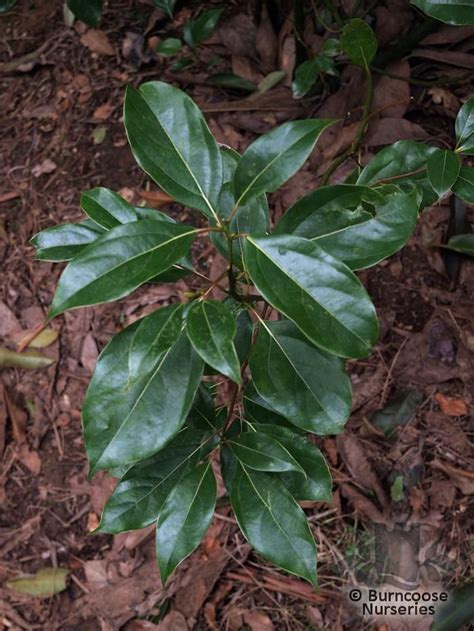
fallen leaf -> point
(464, 480)
(103, 112)
(442, 494)
(238, 34)
(451, 57)
(157, 198)
(43, 339)
(450, 406)
(385, 131)
(45, 167)
(258, 621)
(29, 360)
(392, 96)
(97, 42)
(89, 353)
(99, 134)
(174, 621)
(363, 504)
(30, 459)
(267, 42)
(354, 456)
(8, 322)
(96, 573)
(449, 35)
(315, 617)
(44, 584)
(18, 417)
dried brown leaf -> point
(89, 353)
(451, 406)
(103, 112)
(258, 621)
(392, 96)
(8, 321)
(97, 42)
(386, 131)
(267, 42)
(451, 57)
(363, 504)
(353, 453)
(174, 621)
(43, 168)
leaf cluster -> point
(151, 416)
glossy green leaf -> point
(118, 262)
(44, 584)
(171, 142)
(211, 328)
(307, 386)
(229, 80)
(185, 517)
(358, 42)
(450, 11)
(106, 208)
(131, 412)
(252, 217)
(181, 64)
(272, 521)
(169, 47)
(317, 292)
(401, 163)
(315, 484)
(463, 243)
(244, 324)
(203, 413)
(464, 185)
(64, 242)
(274, 157)
(307, 73)
(165, 5)
(374, 237)
(88, 11)
(140, 494)
(196, 31)
(263, 453)
(465, 124)
(257, 410)
(443, 168)
(328, 209)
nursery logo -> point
(390, 581)
(387, 602)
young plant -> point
(150, 415)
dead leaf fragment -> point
(44, 584)
(8, 322)
(30, 459)
(45, 167)
(452, 407)
(43, 339)
(174, 621)
(89, 353)
(97, 42)
(258, 621)
(103, 112)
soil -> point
(61, 133)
